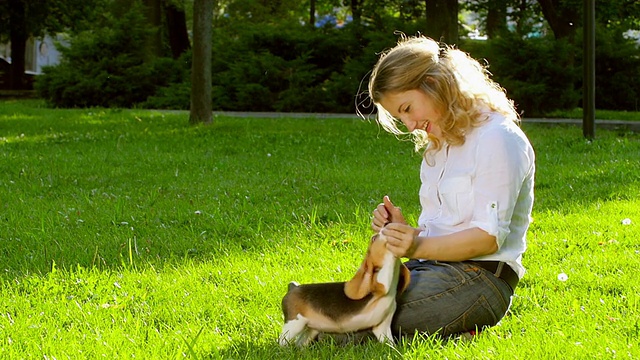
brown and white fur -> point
(367, 301)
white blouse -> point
(487, 183)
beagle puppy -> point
(367, 301)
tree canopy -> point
(21, 19)
(287, 55)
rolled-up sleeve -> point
(501, 165)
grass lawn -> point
(600, 114)
(129, 234)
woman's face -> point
(415, 109)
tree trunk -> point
(177, 29)
(153, 12)
(356, 11)
(18, 34)
(496, 19)
(520, 18)
(201, 106)
(442, 20)
(562, 20)
(312, 14)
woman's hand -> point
(386, 213)
(402, 239)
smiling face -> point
(415, 109)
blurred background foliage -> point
(315, 55)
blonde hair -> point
(459, 85)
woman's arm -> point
(404, 241)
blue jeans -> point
(450, 298)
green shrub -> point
(177, 94)
(545, 75)
(283, 68)
(107, 67)
(270, 68)
(292, 68)
(539, 74)
(617, 71)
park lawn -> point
(599, 115)
(129, 234)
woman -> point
(476, 194)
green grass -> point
(128, 233)
(600, 114)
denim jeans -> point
(450, 298)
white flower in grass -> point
(626, 221)
(563, 277)
(198, 212)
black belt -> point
(501, 270)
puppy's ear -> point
(360, 286)
(404, 279)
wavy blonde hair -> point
(459, 85)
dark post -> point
(589, 66)
(201, 83)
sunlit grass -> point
(128, 233)
(577, 113)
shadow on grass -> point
(572, 171)
(607, 182)
(102, 187)
(363, 348)
(319, 350)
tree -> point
(153, 13)
(312, 13)
(106, 66)
(177, 29)
(201, 105)
(19, 33)
(168, 21)
(21, 19)
(563, 17)
(442, 20)
(356, 11)
(523, 16)
(496, 23)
